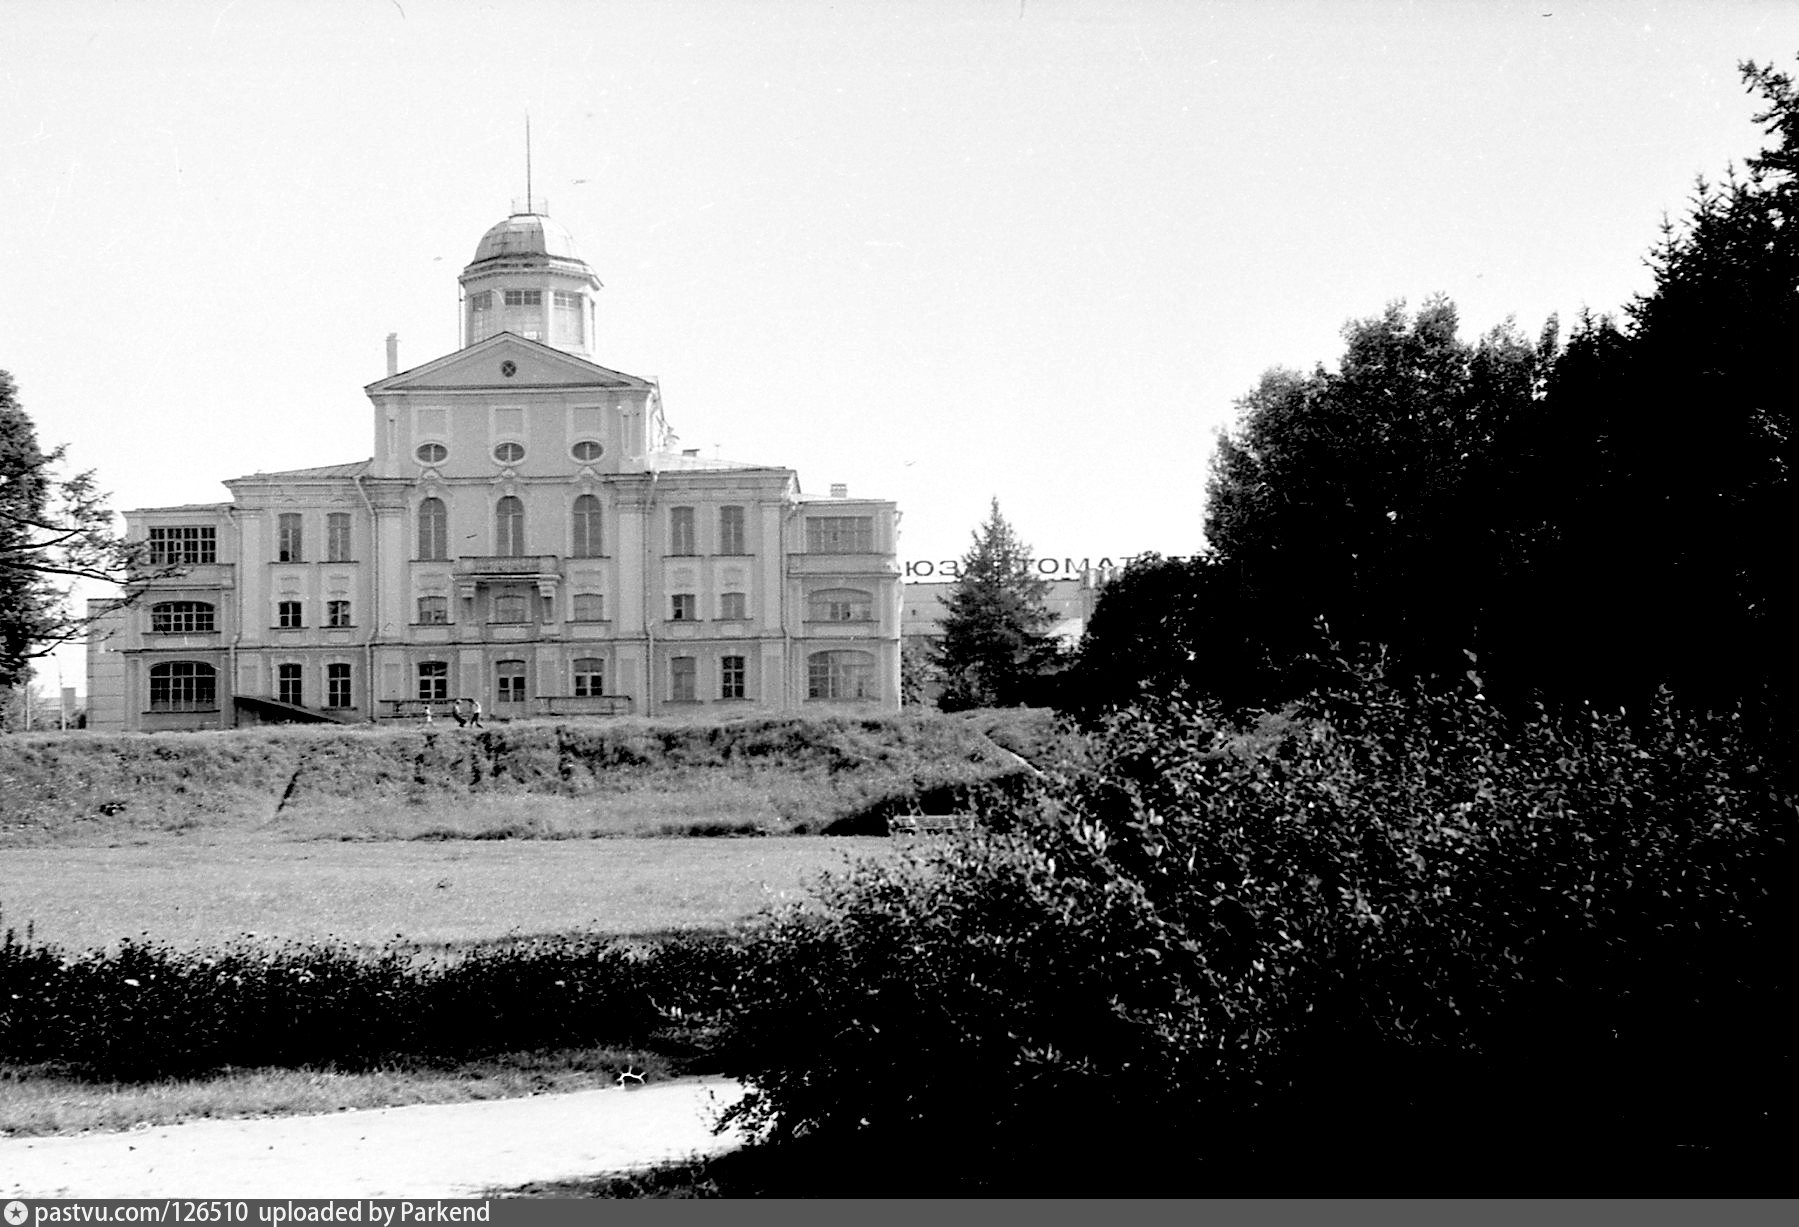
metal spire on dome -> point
(531, 206)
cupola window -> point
(586, 450)
(509, 453)
(567, 327)
(432, 453)
(524, 298)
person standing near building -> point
(474, 714)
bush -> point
(1392, 926)
(148, 1011)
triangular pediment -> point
(506, 362)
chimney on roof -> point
(839, 490)
(393, 353)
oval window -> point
(587, 449)
(509, 453)
(432, 453)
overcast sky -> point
(940, 251)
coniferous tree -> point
(994, 648)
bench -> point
(929, 824)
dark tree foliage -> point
(994, 651)
(1664, 505)
(1152, 632)
(1592, 523)
(1369, 501)
(50, 530)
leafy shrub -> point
(149, 1011)
(1388, 926)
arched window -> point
(509, 528)
(840, 675)
(183, 685)
(434, 529)
(181, 618)
(590, 677)
(587, 527)
(840, 605)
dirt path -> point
(436, 1150)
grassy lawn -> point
(431, 894)
(435, 841)
(34, 1103)
(428, 893)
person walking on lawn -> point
(474, 714)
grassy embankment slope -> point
(335, 841)
(529, 780)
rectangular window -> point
(684, 607)
(840, 534)
(287, 537)
(590, 607)
(682, 673)
(337, 686)
(733, 606)
(288, 616)
(590, 677)
(181, 618)
(434, 680)
(287, 684)
(840, 605)
(840, 675)
(730, 531)
(190, 546)
(434, 610)
(511, 677)
(482, 301)
(680, 531)
(510, 607)
(337, 537)
(337, 613)
(568, 327)
(730, 677)
(524, 298)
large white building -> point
(524, 535)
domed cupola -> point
(527, 278)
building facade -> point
(524, 536)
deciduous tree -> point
(52, 530)
(1372, 498)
